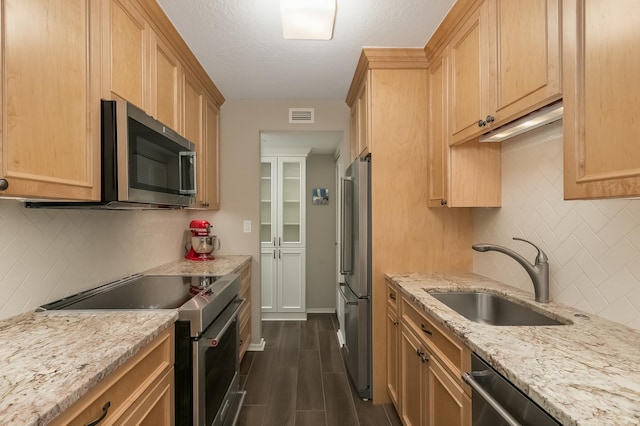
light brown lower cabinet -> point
(430, 362)
(139, 392)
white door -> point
(268, 277)
(291, 276)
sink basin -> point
(492, 309)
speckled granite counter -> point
(586, 373)
(50, 359)
(221, 265)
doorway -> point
(298, 167)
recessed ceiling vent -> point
(302, 115)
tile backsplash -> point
(48, 254)
(593, 246)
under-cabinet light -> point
(536, 119)
(308, 19)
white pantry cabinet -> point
(282, 236)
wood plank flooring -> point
(300, 380)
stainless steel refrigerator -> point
(355, 265)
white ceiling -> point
(240, 43)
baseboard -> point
(284, 316)
(321, 311)
(256, 347)
(340, 339)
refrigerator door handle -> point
(346, 248)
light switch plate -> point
(246, 226)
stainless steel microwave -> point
(144, 161)
(145, 164)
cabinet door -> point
(601, 127)
(437, 141)
(364, 145)
(127, 53)
(268, 278)
(353, 145)
(268, 201)
(291, 201)
(50, 132)
(468, 55)
(526, 45)
(447, 403)
(211, 156)
(393, 350)
(291, 280)
(193, 129)
(165, 82)
(411, 388)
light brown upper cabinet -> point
(126, 53)
(601, 99)
(211, 190)
(50, 131)
(193, 119)
(505, 62)
(166, 83)
(465, 175)
(360, 119)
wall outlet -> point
(246, 226)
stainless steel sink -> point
(492, 309)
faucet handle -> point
(541, 257)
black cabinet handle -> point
(392, 296)
(490, 119)
(4, 184)
(105, 410)
(482, 123)
(423, 328)
(443, 202)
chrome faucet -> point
(539, 272)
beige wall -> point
(321, 236)
(240, 124)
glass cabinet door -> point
(291, 200)
(268, 185)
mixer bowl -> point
(203, 245)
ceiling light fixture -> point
(531, 121)
(308, 19)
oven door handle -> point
(500, 410)
(218, 328)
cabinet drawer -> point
(392, 297)
(125, 388)
(453, 354)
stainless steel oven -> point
(207, 357)
(215, 374)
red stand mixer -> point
(202, 243)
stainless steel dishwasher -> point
(497, 402)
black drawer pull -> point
(425, 330)
(392, 296)
(105, 410)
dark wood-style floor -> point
(300, 380)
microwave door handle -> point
(190, 157)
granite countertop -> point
(50, 359)
(585, 373)
(221, 265)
